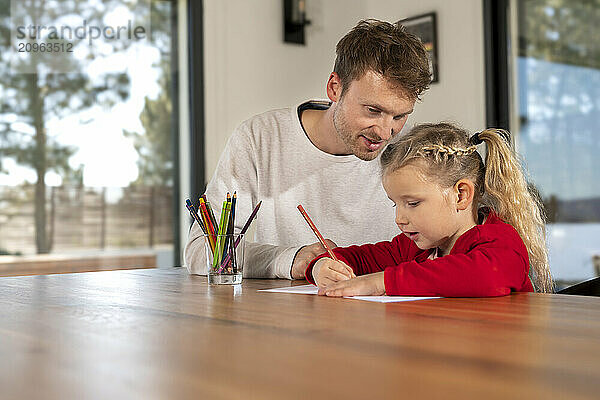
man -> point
(320, 155)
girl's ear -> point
(464, 190)
(334, 87)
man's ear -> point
(334, 87)
(464, 190)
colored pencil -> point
(225, 228)
(230, 226)
(211, 232)
(233, 203)
(250, 218)
(194, 214)
(210, 210)
(316, 231)
(218, 233)
(231, 246)
(219, 248)
(226, 225)
(242, 232)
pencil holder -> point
(224, 258)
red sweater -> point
(487, 260)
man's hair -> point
(386, 49)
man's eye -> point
(373, 110)
(413, 203)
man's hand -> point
(305, 255)
(327, 271)
(365, 285)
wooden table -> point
(162, 334)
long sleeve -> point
(269, 158)
(237, 171)
(488, 260)
(485, 272)
(369, 258)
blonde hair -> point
(500, 184)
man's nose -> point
(384, 132)
(386, 129)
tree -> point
(154, 145)
(29, 100)
(561, 31)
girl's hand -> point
(365, 285)
(305, 255)
(327, 271)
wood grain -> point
(162, 334)
(59, 264)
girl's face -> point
(426, 212)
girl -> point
(469, 229)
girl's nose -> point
(401, 220)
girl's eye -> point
(413, 203)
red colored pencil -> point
(317, 233)
(212, 234)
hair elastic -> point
(475, 139)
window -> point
(88, 133)
(557, 100)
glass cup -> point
(224, 258)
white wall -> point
(459, 96)
(249, 69)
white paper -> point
(301, 289)
(389, 299)
(311, 289)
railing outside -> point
(81, 218)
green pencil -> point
(221, 234)
(230, 225)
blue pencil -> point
(195, 215)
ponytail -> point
(508, 194)
(499, 182)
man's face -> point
(369, 113)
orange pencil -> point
(316, 231)
(210, 211)
(211, 230)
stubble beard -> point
(351, 141)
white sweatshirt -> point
(270, 158)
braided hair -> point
(448, 154)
